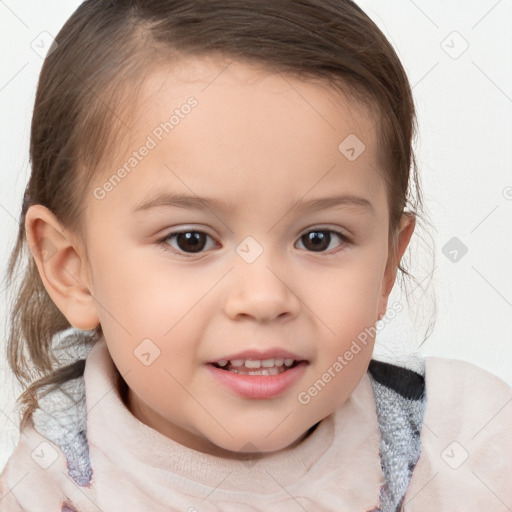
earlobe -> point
(405, 231)
(61, 266)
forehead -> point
(225, 128)
(245, 93)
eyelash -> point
(165, 245)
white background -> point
(464, 113)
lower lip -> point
(258, 387)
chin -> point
(258, 444)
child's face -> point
(257, 144)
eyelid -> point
(319, 227)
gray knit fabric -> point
(62, 418)
(400, 419)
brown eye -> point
(319, 240)
(191, 242)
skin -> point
(260, 142)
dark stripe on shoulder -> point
(403, 381)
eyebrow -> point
(172, 200)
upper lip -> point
(271, 353)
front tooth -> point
(268, 363)
(237, 362)
(249, 363)
(222, 362)
(288, 362)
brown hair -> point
(104, 52)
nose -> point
(259, 291)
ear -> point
(62, 266)
(397, 249)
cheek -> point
(347, 298)
(144, 299)
(138, 302)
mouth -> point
(257, 379)
(272, 366)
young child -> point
(216, 215)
